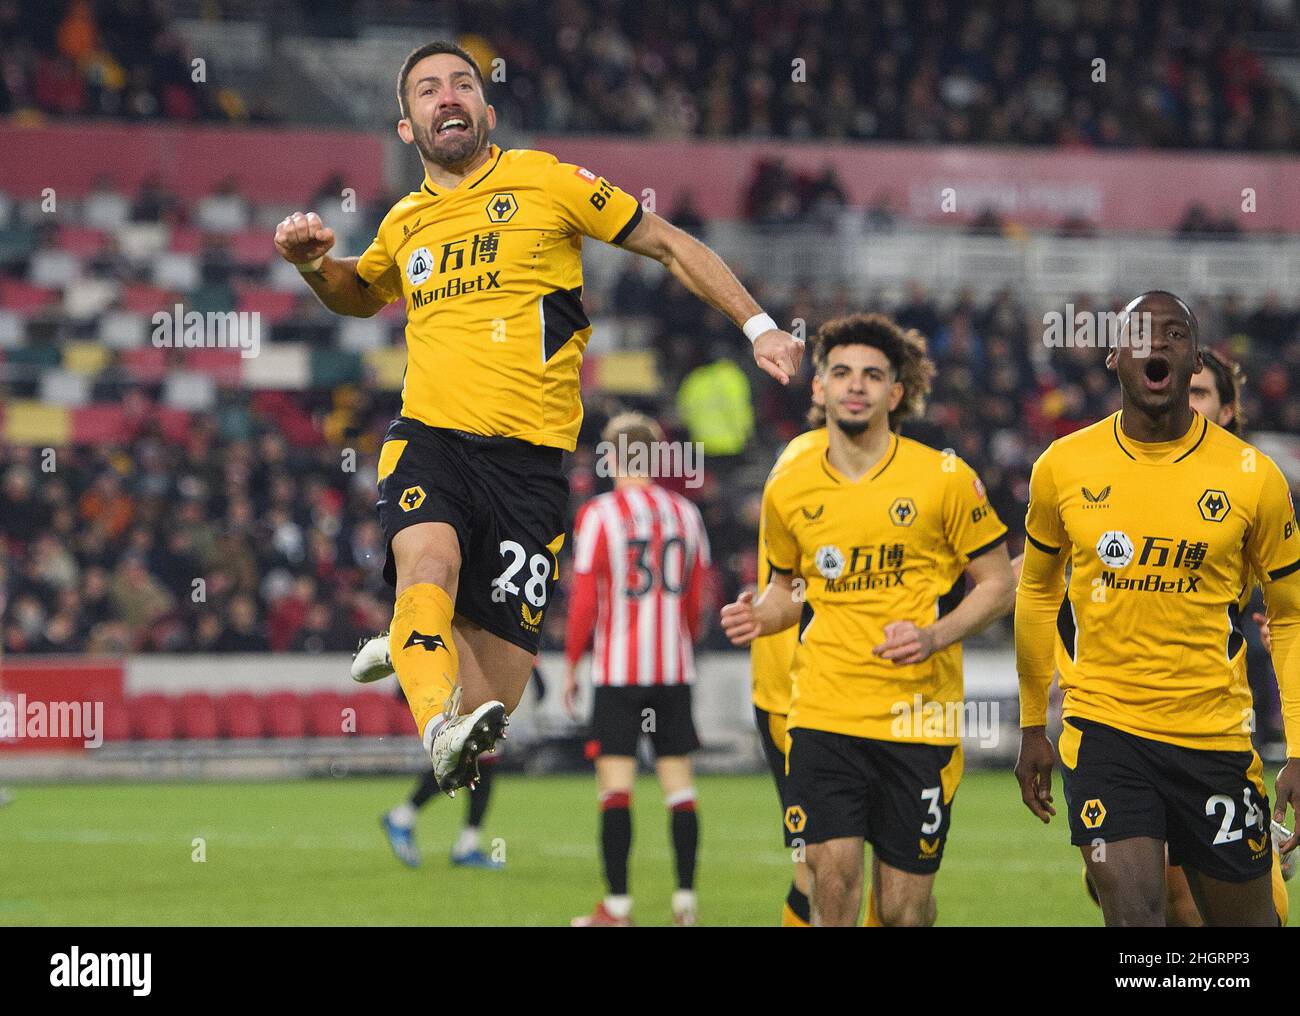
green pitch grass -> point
(312, 852)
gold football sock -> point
(423, 651)
(872, 919)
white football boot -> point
(372, 660)
(462, 739)
(686, 912)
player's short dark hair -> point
(431, 49)
(1228, 382)
(905, 350)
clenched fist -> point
(738, 621)
(906, 643)
(302, 238)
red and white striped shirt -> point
(640, 556)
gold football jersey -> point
(1163, 541)
(491, 273)
(890, 546)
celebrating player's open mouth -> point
(1156, 374)
(452, 138)
(454, 123)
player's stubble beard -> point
(851, 428)
(454, 154)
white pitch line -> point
(240, 841)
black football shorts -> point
(1210, 807)
(620, 715)
(506, 499)
(897, 796)
(771, 734)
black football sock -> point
(616, 839)
(686, 839)
(480, 796)
(428, 786)
(797, 901)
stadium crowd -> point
(246, 533)
(1067, 73)
(1017, 72)
(117, 58)
(253, 533)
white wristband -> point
(307, 267)
(757, 325)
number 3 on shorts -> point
(539, 571)
(931, 795)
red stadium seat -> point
(273, 305)
(83, 241)
(400, 721)
(152, 718)
(117, 721)
(225, 365)
(285, 715)
(141, 298)
(187, 240)
(372, 713)
(239, 716)
(145, 366)
(196, 716)
(252, 248)
(325, 714)
(24, 298)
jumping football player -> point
(876, 537)
(1164, 519)
(639, 561)
(486, 257)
